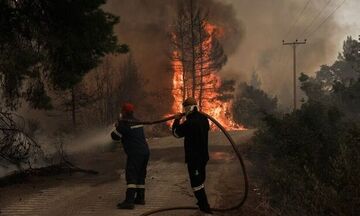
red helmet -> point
(128, 108)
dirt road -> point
(167, 182)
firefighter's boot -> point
(203, 201)
(128, 203)
(140, 196)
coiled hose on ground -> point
(237, 152)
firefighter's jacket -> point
(132, 137)
(195, 129)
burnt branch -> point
(16, 146)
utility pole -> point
(294, 45)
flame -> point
(211, 105)
(177, 83)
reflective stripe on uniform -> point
(175, 134)
(117, 133)
(198, 187)
(131, 186)
(140, 186)
(136, 126)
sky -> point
(267, 22)
(349, 17)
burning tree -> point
(197, 56)
(197, 53)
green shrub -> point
(251, 105)
(310, 161)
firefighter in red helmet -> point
(195, 130)
(136, 148)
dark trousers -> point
(135, 172)
(197, 174)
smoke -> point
(75, 144)
(254, 31)
(145, 26)
(267, 23)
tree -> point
(251, 105)
(338, 84)
(309, 161)
(351, 53)
(105, 80)
(52, 42)
(112, 85)
(131, 82)
(196, 52)
(309, 157)
(36, 95)
(226, 90)
(255, 80)
(75, 99)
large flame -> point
(211, 105)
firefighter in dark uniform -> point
(136, 148)
(195, 130)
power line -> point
(315, 18)
(326, 19)
(302, 20)
(298, 17)
(281, 57)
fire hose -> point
(237, 152)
